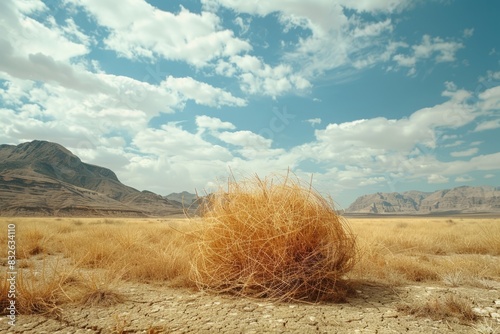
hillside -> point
(465, 199)
(44, 178)
(183, 199)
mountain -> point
(44, 178)
(465, 199)
(183, 199)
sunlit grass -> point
(402, 250)
(397, 251)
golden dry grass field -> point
(113, 275)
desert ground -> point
(121, 275)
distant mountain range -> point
(460, 200)
(44, 178)
(183, 199)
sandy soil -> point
(373, 308)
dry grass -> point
(41, 291)
(273, 238)
(403, 250)
(450, 306)
(397, 251)
(99, 290)
(137, 250)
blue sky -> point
(365, 96)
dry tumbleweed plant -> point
(273, 238)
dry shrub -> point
(41, 292)
(273, 238)
(31, 242)
(4, 293)
(448, 307)
(101, 296)
(414, 269)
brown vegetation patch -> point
(450, 306)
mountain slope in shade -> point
(465, 199)
(41, 177)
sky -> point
(358, 96)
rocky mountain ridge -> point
(44, 178)
(464, 199)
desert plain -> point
(124, 275)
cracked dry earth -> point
(158, 309)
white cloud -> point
(314, 121)
(380, 133)
(134, 27)
(373, 29)
(431, 48)
(464, 178)
(335, 39)
(42, 50)
(488, 125)
(493, 75)
(490, 99)
(435, 178)
(202, 93)
(212, 123)
(44, 68)
(455, 143)
(245, 139)
(171, 141)
(485, 162)
(243, 24)
(257, 77)
(469, 32)
(466, 153)
(26, 36)
(397, 150)
(489, 176)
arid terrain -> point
(123, 275)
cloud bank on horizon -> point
(383, 95)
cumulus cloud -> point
(42, 50)
(380, 133)
(334, 40)
(339, 36)
(484, 162)
(171, 140)
(28, 36)
(202, 93)
(245, 139)
(134, 27)
(464, 178)
(45, 68)
(436, 178)
(430, 48)
(257, 77)
(490, 98)
(465, 153)
(243, 24)
(212, 123)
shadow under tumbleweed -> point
(364, 293)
